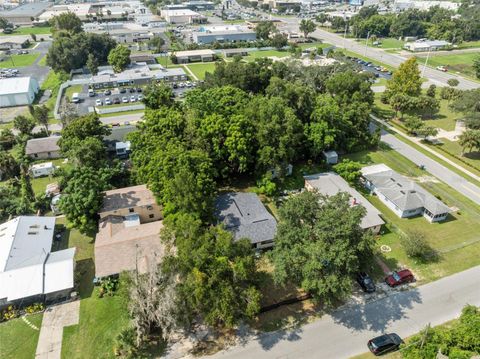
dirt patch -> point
(424, 179)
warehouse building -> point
(23, 14)
(228, 33)
(427, 45)
(17, 91)
(184, 57)
(182, 16)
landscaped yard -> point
(19, 60)
(70, 90)
(39, 184)
(37, 30)
(461, 63)
(200, 69)
(453, 149)
(17, 339)
(456, 239)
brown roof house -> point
(128, 236)
(43, 148)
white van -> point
(75, 97)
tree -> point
(338, 23)
(264, 29)
(476, 66)
(119, 58)
(406, 80)
(279, 41)
(82, 199)
(8, 166)
(349, 170)
(452, 82)
(320, 245)
(427, 106)
(40, 114)
(322, 18)
(92, 64)
(68, 22)
(219, 282)
(7, 139)
(24, 124)
(401, 103)
(413, 124)
(307, 27)
(432, 90)
(5, 24)
(416, 246)
(82, 128)
(158, 94)
(469, 140)
(427, 131)
(156, 43)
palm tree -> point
(469, 140)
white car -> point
(139, 98)
(99, 102)
(181, 84)
(132, 99)
(125, 99)
(108, 101)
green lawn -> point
(39, 184)
(17, 339)
(43, 61)
(52, 83)
(19, 60)
(385, 43)
(461, 63)
(200, 69)
(70, 90)
(37, 30)
(454, 151)
(468, 45)
(268, 53)
(459, 230)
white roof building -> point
(183, 16)
(17, 91)
(28, 268)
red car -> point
(399, 277)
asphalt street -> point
(345, 332)
(454, 180)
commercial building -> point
(223, 33)
(427, 45)
(82, 10)
(244, 215)
(182, 16)
(401, 5)
(23, 14)
(43, 148)
(29, 270)
(403, 196)
(330, 183)
(136, 74)
(17, 91)
(184, 57)
(14, 42)
(129, 232)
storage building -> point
(17, 91)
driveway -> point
(345, 332)
(51, 334)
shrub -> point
(349, 170)
(34, 308)
(266, 186)
(124, 346)
(416, 246)
(108, 286)
(9, 313)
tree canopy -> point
(119, 58)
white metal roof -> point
(42, 165)
(14, 85)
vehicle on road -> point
(442, 68)
(108, 101)
(99, 102)
(399, 277)
(384, 343)
(367, 284)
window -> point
(35, 155)
(151, 215)
(130, 210)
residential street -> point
(345, 332)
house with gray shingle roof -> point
(403, 196)
(245, 216)
(43, 148)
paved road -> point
(454, 180)
(435, 76)
(345, 332)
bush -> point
(416, 246)
(349, 170)
(266, 186)
(125, 346)
(9, 313)
(34, 308)
(108, 286)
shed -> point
(17, 91)
(42, 169)
(331, 157)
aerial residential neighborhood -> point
(239, 179)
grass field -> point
(456, 239)
(453, 148)
(200, 69)
(70, 90)
(468, 45)
(52, 83)
(17, 339)
(29, 30)
(461, 63)
(19, 60)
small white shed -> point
(54, 204)
(42, 169)
(331, 157)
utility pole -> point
(366, 43)
(345, 34)
(426, 61)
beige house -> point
(131, 200)
(43, 148)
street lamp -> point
(366, 42)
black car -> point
(107, 92)
(116, 100)
(123, 90)
(384, 343)
(365, 282)
(131, 90)
(139, 89)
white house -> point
(42, 169)
(401, 195)
(29, 271)
(17, 91)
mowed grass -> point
(454, 148)
(17, 339)
(385, 43)
(457, 239)
(19, 60)
(70, 90)
(200, 69)
(37, 30)
(461, 63)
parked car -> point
(139, 89)
(24, 52)
(131, 90)
(132, 99)
(91, 93)
(116, 100)
(125, 99)
(115, 124)
(139, 98)
(364, 280)
(122, 90)
(442, 68)
(399, 277)
(107, 92)
(175, 85)
(384, 343)
(99, 102)
(108, 101)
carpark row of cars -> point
(9, 73)
(371, 65)
(387, 342)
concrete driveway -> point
(51, 333)
(345, 332)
